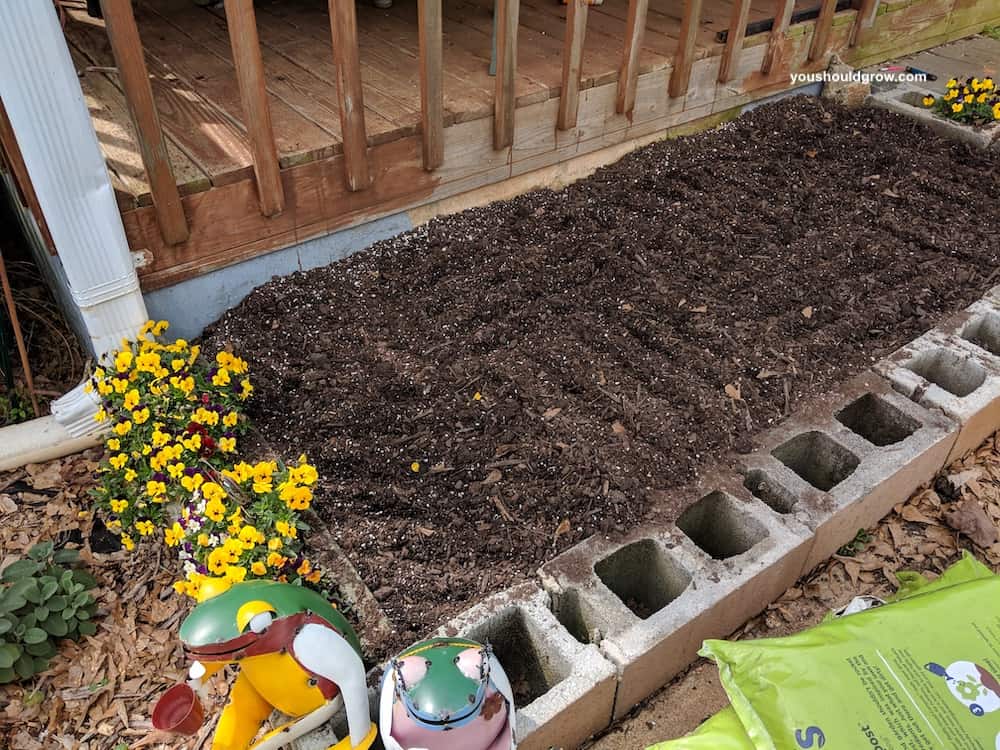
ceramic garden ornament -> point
(296, 653)
(446, 694)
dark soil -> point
(601, 326)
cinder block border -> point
(572, 685)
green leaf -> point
(6, 625)
(66, 556)
(29, 621)
(57, 603)
(41, 663)
(41, 551)
(24, 666)
(34, 635)
(41, 613)
(11, 601)
(66, 579)
(7, 675)
(31, 591)
(85, 579)
(56, 625)
(82, 599)
(69, 613)
(71, 624)
(45, 648)
(20, 569)
(9, 653)
(82, 614)
(87, 628)
(49, 589)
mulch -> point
(494, 386)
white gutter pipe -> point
(42, 96)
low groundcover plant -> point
(172, 468)
(974, 101)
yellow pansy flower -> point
(130, 475)
(956, 108)
(236, 573)
(131, 399)
(140, 416)
(275, 560)
(215, 510)
(231, 419)
(118, 461)
(123, 428)
(221, 378)
(123, 360)
(101, 415)
(119, 505)
(127, 542)
(227, 444)
(258, 568)
(204, 540)
(173, 535)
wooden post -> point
(134, 77)
(22, 180)
(344, 29)
(576, 31)
(734, 40)
(821, 34)
(779, 33)
(22, 350)
(431, 82)
(680, 78)
(864, 19)
(635, 28)
(504, 96)
(242, 23)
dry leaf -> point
(551, 413)
(970, 519)
(424, 531)
(7, 504)
(700, 309)
(733, 391)
(562, 528)
(811, 153)
(493, 477)
(807, 312)
(911, 514)
(627, 307)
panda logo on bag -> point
(972, 685)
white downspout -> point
(43, 99)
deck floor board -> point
(194, 81)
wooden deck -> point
(190, 60)
(252, 179)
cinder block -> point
(953, 369)
(849, 458)
(570, 685)
(651, 598)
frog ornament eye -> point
(255, 617)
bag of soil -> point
(919, 674)
(725, 730)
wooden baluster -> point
(734, 40)
(134, 77)
(864, 19)
(628, 76)
(680, 78)
(431, 82)
(504, 97)
(344, 29)
(576, 31)
(821, 34)
(779, 34)
(242, 23)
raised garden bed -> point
(484, 391)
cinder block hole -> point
(532, 664)
(818, 459)
(984, 332)
(770, 492)
(643, 576)
(573, 615)
(956, 374)
(877, 421)
(720, 527)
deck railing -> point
(246, 54)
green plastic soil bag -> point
(725, 731)
(919, 674)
